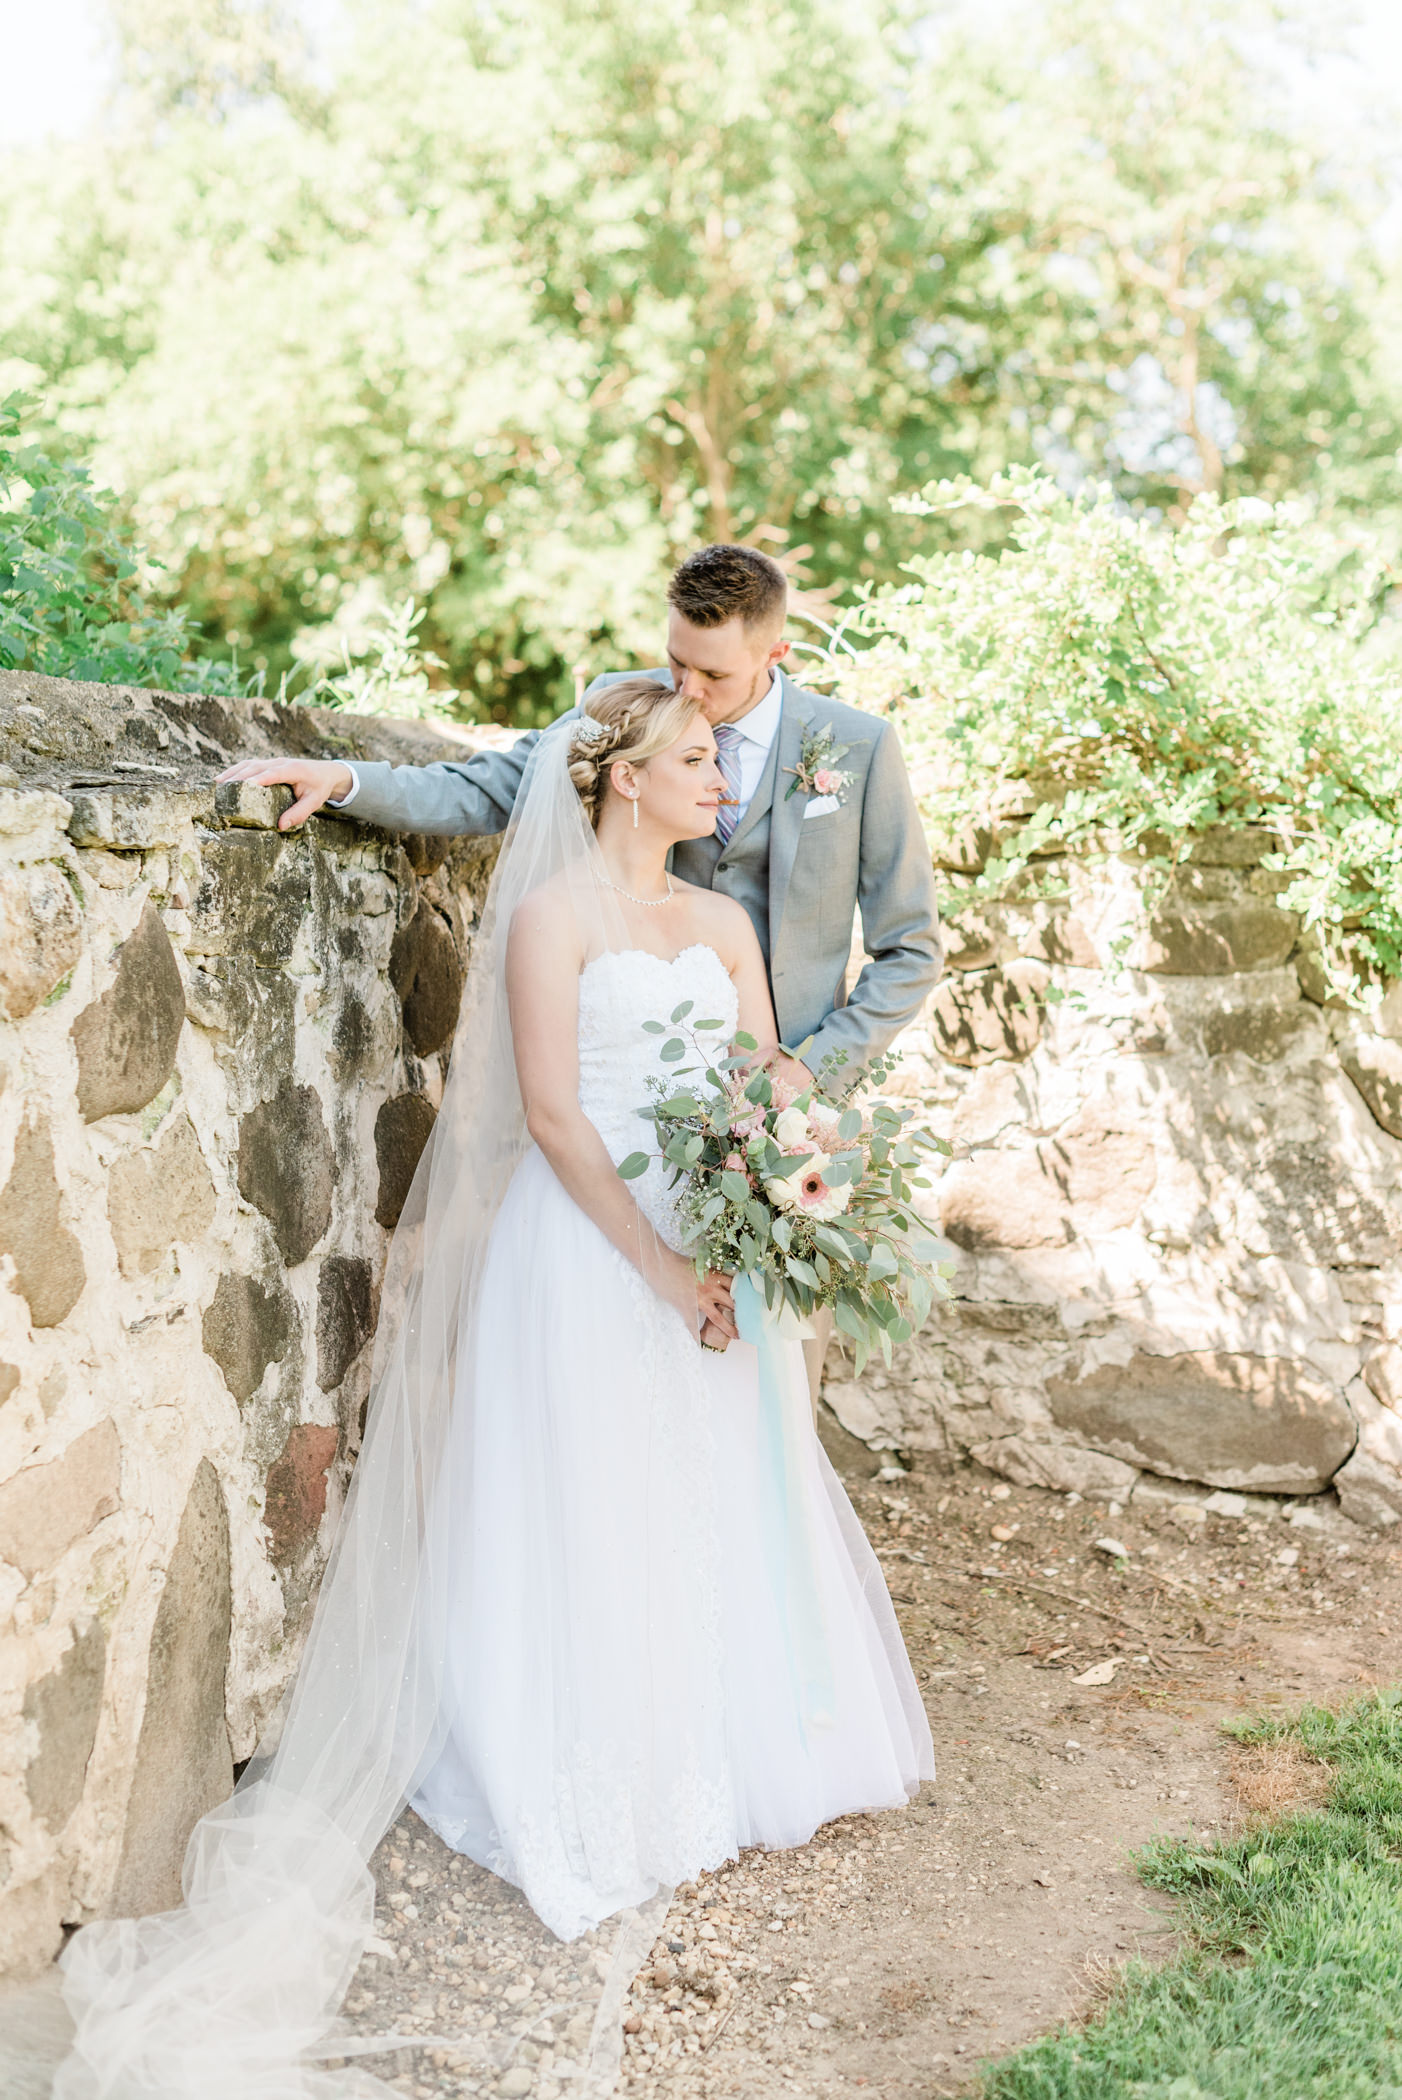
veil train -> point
(237, 1994)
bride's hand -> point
(702, 1301)
(715, 1304)
(712, 1338)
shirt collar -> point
(761, 724)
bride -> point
(598, 1606)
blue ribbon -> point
(786, 1424)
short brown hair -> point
(721, 583)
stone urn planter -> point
(1174, 1202)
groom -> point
(800, 860)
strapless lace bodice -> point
(618, 992)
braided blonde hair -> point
(634, 719)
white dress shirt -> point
(758, 730)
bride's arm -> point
(542, 981)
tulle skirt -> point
(636, 1593)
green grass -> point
(1292, 1985)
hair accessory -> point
(590, 730)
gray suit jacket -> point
(799, 877)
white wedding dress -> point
(596, 1603)
(645, 1594)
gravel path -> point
(894, 1951)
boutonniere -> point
(817, 771)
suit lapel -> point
(787, 818)
(760, 800)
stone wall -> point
(1174, 1204)
(1173, 1208)
(220, 1053)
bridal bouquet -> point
(812, 1201)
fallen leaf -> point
(1113, 1547)
(1098, 1673)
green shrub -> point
(71, 604)
(1105, 680)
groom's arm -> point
(453, 798)
(456, 798)
(900, 920)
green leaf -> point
(708, 1024)
(735, 1187)
(635, 1164)
(759, 1090)
(679, 1013)
(671, 1051)
(849, 1321)
(849, 1125)
(743, 1041)
(802, 1270)
(883, 1262)
(655, 1027)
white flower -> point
(806, 1193)
(791, 1130)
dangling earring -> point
(635, 809)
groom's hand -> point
(793, 1071)
(313, 781)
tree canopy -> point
(505, 309)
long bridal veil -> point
(237, 1995)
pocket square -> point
(821, 806)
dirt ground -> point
(896, 1950)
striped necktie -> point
(728, 740)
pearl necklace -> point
(650, 903)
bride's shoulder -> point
(547, 915)
(720, 922)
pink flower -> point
(826, 782)
(735, 1161)
(824, 1131)
(784, 1093)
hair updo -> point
(634, 719)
